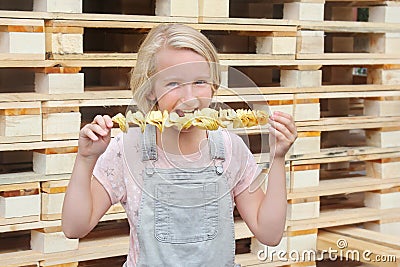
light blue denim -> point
(185, 215)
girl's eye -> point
(172, 84)
(200, 82)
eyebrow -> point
(179, 78)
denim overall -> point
(185, 215)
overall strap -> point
(216, 142)
(149, 146)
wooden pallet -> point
(14, 33)
(302, 56)
(383, 250)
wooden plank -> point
(21, 57)
(304, 176)
(90, 249)
(13, 187)
(386, 14)
(133, 56)
(310, 42)
(124, 22)
(338, 217)
(209, 8)
(54, 161)
(305, 145)
(58, 126)
(328, 239)
(19, 206)
(276, 45)
(388, 227)
(311, 62)
(242, 230)
(12, 224)
(382, 169)
(52, 242)
(74, 6)
(15, 43)
(20, 22)
(326, 91)
(335, 218)
(51, 206)
(20, 126)
(383, 138)
(367, 235)
(350, 26)
(301, 211)
(327, 26)
(57, 83)
(382, 200)
(346, 56)
(20, 258)
(76, 30)
(40, 16)
(177, 8)
(249, 259)
(131, 63)
(34, 222)
(64, 43)
(299, 78)
(346, 185)
(304, 11)
(339, 154)
(15, 28)
(54, 187)
(384, 76)
(13, 179)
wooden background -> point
(333, 64)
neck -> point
(181, 142)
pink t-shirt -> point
(119, 169)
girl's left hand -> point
(283, 133)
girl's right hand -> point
(95, 137)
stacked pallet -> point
(63, 63)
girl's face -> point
(183, 81)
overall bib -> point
(185, 215)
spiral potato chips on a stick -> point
(206, 118)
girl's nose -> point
(187, 91)
(188, 95)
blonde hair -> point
(173, 36)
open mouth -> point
(183, 112)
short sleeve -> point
(248, 168)
(109, 171)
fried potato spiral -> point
(207, 118)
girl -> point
(178, 186)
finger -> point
(286, 120)
(98, 130)
(100, 121)
(108, 121)
(89, 134)
(278, 136)
(281, 128)
(283, 114)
